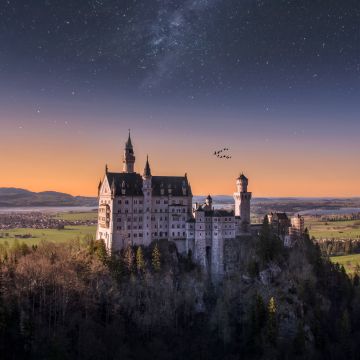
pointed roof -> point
(147, 170)
(242, 176)
(129, 143)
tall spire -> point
(147, 171)
(128, 143)
(129, 157)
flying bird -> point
(222, 153)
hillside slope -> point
(14, 197)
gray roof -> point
(219, 213)
(133, 182)
(175, 183)
(281, 216)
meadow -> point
(53, 235)
(349, 229)
(350, 262)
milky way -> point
(202, 50)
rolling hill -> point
(14, 197)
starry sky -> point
(278, 82)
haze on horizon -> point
(277, 83)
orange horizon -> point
(72, 160)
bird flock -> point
(222, 154)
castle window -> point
(119, 202)
(126, 202)
(165, 202)
(158, 201)
(119, 220)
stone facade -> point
(288, 229)
(138, 209)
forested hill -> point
(13, 197)
(74, 301)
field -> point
(348, 261)
(52, 235)
(333, 230)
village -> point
(40, 220)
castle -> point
(137, 209)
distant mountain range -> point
(13, 197)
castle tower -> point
(147, 191)
(242, 202)
(200, 238)
(208, 203)
(129, 157)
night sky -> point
(276, 81)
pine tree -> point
(258, 314)
(140, 262)
(129, 258)
(271, 325)
(156, 258)
(299, 343)
(101, 251)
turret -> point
(208, 201)
(147, 170)
(242, 202)
(242, 183)
(129, 157)
(147, 191)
